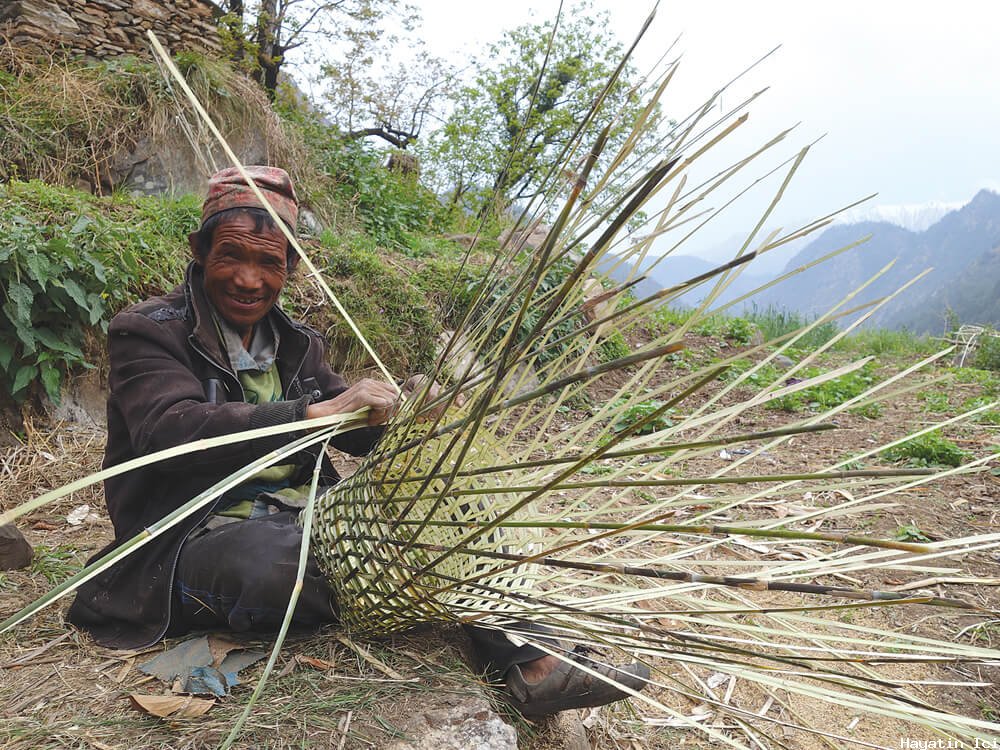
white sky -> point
(906, 92)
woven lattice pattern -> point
(378, 542)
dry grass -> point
(68, 121)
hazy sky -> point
(906, 93)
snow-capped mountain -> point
(914, 216)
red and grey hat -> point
(228, 189)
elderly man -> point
(217, 356)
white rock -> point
(461, 723)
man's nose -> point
(248, 276)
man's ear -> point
(291, 259)
(193, 243)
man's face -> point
(244, 271)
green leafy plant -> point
(614, 346)
(67, 263)
(740, 330)
(931, 449)
(935, 401)
(831, 393)
(636, 412)
(910, 533)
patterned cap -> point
(227, 189)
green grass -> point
(774, 323)
(882, 341)
(391, 310)
(56, 564)
(931, 449)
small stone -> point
(785, 363)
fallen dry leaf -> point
(220, 647)
(43, 526)
(321, 664)
(171, 706)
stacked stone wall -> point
(109, 28)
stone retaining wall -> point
(108, 28)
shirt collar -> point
(263, 344)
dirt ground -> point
(58, 690)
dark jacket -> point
(171, 383)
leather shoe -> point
(568, 687)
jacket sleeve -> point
(163, 404)
(357, 442)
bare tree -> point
(267, 30)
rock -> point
(43, 14)
(570, 731)
(83, 401)
(309, 223)
(462, 362)
(15, 552)
(456, 723)
(527, 239)
(150, 9)
(403, 162)
(594, 307)
(785, 363)
(465, 240)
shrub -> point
(391, 206)
(68, 262)
(988, 351)
(502, 294)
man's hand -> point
(416, 383)
(380, 397)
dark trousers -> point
(240, 574)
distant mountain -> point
(916, 217)
(961, 247)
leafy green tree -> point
(502, 134)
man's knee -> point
(242, 574)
